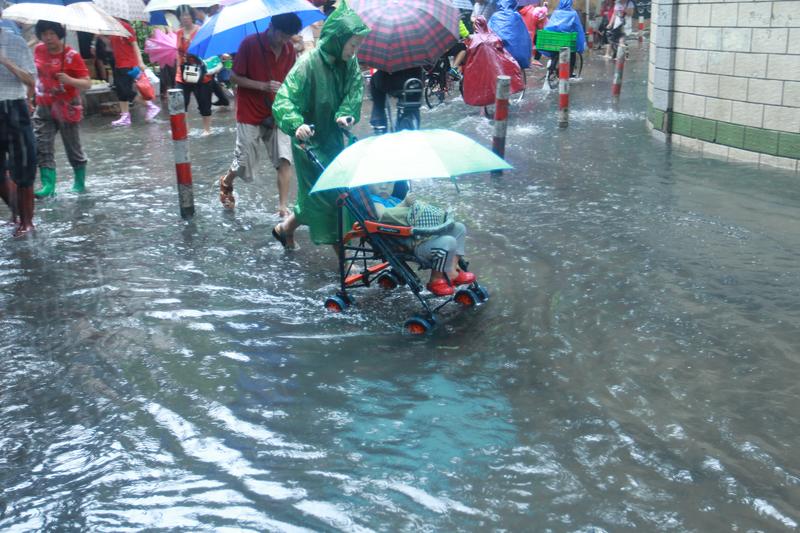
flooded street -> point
(635, 367)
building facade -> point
(724, 78)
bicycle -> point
(554, 41)
(439, 83)
(552, 70)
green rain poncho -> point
(319, 89)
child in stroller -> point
(441, 252)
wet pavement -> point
(635, 368)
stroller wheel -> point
(336, 304)
(466, 298)
(481, 293)
(417, 326)
(388, 280)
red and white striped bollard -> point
(502, 93)
(563, 88)
(616, 87)
(183, 166)
(641, 27)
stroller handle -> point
(305, 145)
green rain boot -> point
(80, 180)
(48, 177)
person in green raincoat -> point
(325, 90)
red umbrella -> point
(406, 33)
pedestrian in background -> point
(191, 75)
(61, 74)
(261, 64)
(17, 145)
(128, 65)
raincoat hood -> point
(338, 28)
(507, 4)
(565, 4)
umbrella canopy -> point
(162, 47)
(78, 16)
(124, 9)
(406, 33)
(407, 155)
(163, 5)
(225, 31)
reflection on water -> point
(635, 367)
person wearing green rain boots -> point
(324, 90)
(17, 146)
(61, 75)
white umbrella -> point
(162, 5)
(80, 16)
(124, 9)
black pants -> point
(219, 92)
(202, 93)
(17, 143)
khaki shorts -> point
(249, 138)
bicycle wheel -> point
(434, 95)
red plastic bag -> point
(144, 87)
(487, 59)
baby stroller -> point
(375, 253)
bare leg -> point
(285, 176)
(460, 57)
(207, 125)
(124, 106)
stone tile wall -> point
(728, 72)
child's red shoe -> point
(464, 278)
(440, 287)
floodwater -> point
(636, 366)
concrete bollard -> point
(501, 117)
(183, 166)
(616, 87)
(563, 88)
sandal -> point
(279, 236)
(226, 194)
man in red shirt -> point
(128, 57)
(61, 75)
(260, 66)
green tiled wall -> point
(759, 140)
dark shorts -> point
(123, 85)
(457, 49)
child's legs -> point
(459, 233)
(440, 252)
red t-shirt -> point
(48, 88)
(258, 62)
(122, 47)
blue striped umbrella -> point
(225, 31)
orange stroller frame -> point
(375, 248)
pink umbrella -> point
(162, 47)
